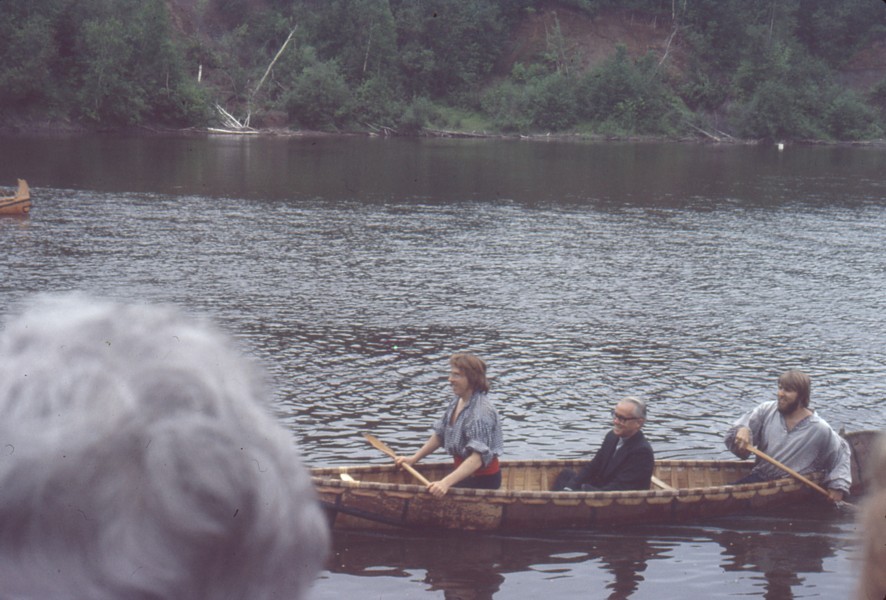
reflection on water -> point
(689, 275)
(612, 176)
(477, 566)
(779, 556)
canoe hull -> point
(382, 497)
(20, 204)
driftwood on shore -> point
(231, 123)
(460, 134)
(719, 137)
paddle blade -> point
(379, 445)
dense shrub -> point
(318, 96)
(507, 106)
(788, 94)
(629, 96)
(552, 102)
(848, 118)
(374, 104)
(417, 116)
(27, 56)
(773, 111)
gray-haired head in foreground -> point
(138, 460)
(639, 406)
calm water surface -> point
(353, 267)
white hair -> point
(138, 461)
(639, 405)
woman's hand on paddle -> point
(464, 470)
(409, 460)
(432, 444)
(438, 488)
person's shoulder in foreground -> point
(140, 461)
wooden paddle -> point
(377, 443)
(796, 475)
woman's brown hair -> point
(473, 368)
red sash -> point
(491, 469)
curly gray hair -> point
(138, 460)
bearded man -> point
(793, 434)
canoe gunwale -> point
(511, 496)
(332, 481)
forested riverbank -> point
(723, 70)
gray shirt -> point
(477, 429)
(809, 447)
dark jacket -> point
(628, 469)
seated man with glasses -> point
(625, 460)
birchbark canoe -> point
(20, 204)
(384, 497)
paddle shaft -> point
(793, 473)
(380, 445)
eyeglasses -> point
(622, 419)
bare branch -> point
(276, 56)
(267, 72)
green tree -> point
(359, 34)
(552, 102)
(106, 91)
(847, 117)
(376, 104)
(120, 63)
(507, 105)
(318, 96)
(630, 96)
(833, 31)
(759, 67)
(793, 95)
(447, 47)
(27, 55)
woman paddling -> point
(469, 430)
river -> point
(690, 275)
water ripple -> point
(355, 307)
